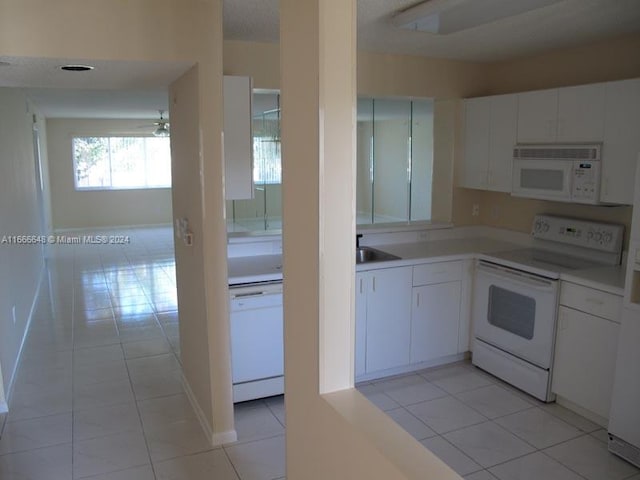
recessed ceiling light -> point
(77, 68)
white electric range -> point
(515, 298)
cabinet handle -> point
(374, 284)
(418, 299)
(360, 285)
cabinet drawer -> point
(589, 300)
(437, 273)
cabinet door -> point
(473, 173)
(238, 141)
(435, 319)
(537, 116)
(361, 324)
(388, 318)
(585, 359)
(581, 113)
(621, 140)
(502, 138)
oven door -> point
(515, 312)
(545, 179)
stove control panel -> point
(605, 237)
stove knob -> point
(598, 236)
(590, 235)
(545, 226)
(608, 237)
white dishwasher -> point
(257, 344)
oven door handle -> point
(522, 278)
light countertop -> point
(263, 268)
(609, 279)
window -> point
(110, 163)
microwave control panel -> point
(585, 186)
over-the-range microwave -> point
(564, 173)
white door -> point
(621, 140)
(476, 143)
(581, 113)
(537, 116)
(435, 318)
(388, 318)
(515, 312)
(502, 139)
(361, 324)
(585, 360)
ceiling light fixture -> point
(77, 68)
(161, 131)
(163, 126)
(450, 16)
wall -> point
(609, 60)
(189, 32)
(22, 265)
(386, 75)
(104, 208)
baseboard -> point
(437, 362)
(215, 438)
(588, 414)
(12, 378)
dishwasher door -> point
(257, 345)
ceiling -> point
(139, 89)
(112, 90)
(566, 23)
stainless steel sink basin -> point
(368, 255)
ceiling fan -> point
(161, 126)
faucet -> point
(358, 237)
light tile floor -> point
(485, 429)
(99, 394)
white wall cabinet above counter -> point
(490, 133)
(238, 141)
(607, 113)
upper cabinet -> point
(567, 115)
(607, 113)
(238, 142)
(621, 140)
(490, 134)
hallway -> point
(99, 389)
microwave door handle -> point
(531, 281)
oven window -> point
(512, 311)
(542, 179)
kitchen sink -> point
(368, 255)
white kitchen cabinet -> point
(563, 115)
(621, 140)
(580, 113)
(586, 347)
(435, 317)
(537, 116)
(361, 324)
(238, 140)
(388, 317)
(490, 134)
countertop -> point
(263, 268)
(609, 279)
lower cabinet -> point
(406, 316)
(435, 319)
(586, 347)
(388, 318)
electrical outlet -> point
(423, 236)
(13, 314)
(475, 210)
